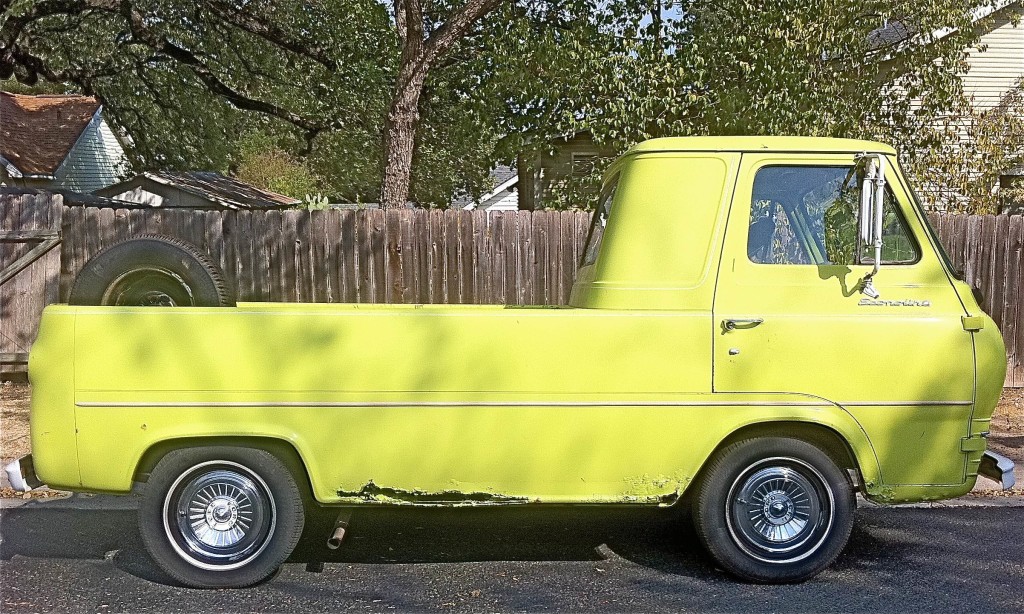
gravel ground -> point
(1007, 434)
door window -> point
(808, 215)
(598, 223)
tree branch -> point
(143, 33)
(263, 27)
(442, 41)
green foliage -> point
(264, 165)
(531, 73)
(963, 172)
(315, 202)
(803, 67)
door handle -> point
(734, 323)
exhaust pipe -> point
(340, 527)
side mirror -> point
(872, 197)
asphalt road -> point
(85, 554)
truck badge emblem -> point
(874, 302)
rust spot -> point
(373, 493)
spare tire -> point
(151, 270)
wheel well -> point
(828, 440)
(283, 450)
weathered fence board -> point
(29, 271)
(989, 250)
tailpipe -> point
(340, 527)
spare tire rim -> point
(219, 516)
(149, 287)
(779, 510)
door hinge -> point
(973, 323)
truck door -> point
(789, 316)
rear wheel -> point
(151, 271)
(220, 516)
(774, 509)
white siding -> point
(141, 196)
(96, 160)
(997, 65)
(506, 200)
(145, 191)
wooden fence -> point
(29, 268)
(368, 256)
(414, 256)
(989, 249)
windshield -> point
(598, 223)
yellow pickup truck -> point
(760, 328)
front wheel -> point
(774, 509)
(220, 517)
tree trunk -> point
(400, 137)
(418, 53)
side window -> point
(808, 215)
(598, 223)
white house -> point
(997, 62)
(504, 196)
(994, 75)
(57, 142)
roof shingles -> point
(226, 191)
(38, 132)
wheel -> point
(774, 509)
(151, 270)
(220, 517)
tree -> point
(422, 44)
(314, 66)
(873, 69)
(419, 96)
(963, 173)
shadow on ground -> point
(660, 539)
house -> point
(994, 76)
(996, 73)
(542, 173)
(504, 196)
(57, 142)
(997, 61)
(195, 190)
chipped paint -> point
(661, 489)
(372, 493)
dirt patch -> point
(1007, 436)
(14, 435)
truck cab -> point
(757, 237)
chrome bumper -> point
(997, 467)
(22, 475)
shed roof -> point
(214, 187)
(37, 132)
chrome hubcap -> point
(148, 287)
(219, 515)
(779, 510)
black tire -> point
(220, 517)
(151, 270)
(773, 509)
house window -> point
(583, 163)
